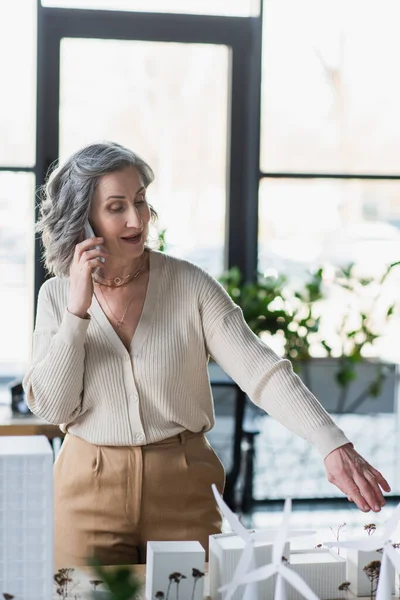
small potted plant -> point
(333, 363)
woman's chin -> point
(132, 249)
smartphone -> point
(89, 233)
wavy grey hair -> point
(66, 198)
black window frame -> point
(291, 175)
(242, 34)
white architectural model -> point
(322, 570)
(26, 517)
(390, 556)
(226, 550)
(247, 575)
(175, 570)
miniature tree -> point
(372, 571)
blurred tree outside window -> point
(329, 106)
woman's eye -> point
(116, 209)
(140, 200)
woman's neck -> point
(120, 268)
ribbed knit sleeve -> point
(54, 382)
(267, 379)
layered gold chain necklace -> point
(119, 282)
(116, 281)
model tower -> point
(26, 517)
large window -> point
(17, 183)
(330, 176)
(18, 76)
(330, 139)
(168, 102)
(330, 94)
(169, 90)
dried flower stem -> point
(337, 533)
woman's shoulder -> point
(183, 274)
(180, 265)
(184, 269)
(54, 287)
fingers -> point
(86, 245)
(88, 255)
(369, 489)
(370, 481)
(380, 479)
(91, 264)
(356, 478)
(375, 485)
(376, 481)
(349, 487)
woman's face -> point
(120, 213)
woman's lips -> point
(133, 239)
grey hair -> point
(66, 198)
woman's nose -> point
(134, 219)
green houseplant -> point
(121, 583)
(271, 306)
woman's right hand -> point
(85, 260)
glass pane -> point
(18, 75)
(238, 8)
(306, 224)
(169, 103)
(17, 199)
(330, 96)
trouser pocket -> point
(203, 463)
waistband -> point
(179, 438)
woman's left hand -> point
(356, 478)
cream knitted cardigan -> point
(83, 377)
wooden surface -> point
(141, 571)
(26, 425)
(84, 588)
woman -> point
(120, 361)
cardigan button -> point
(139, 437)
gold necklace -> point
(116, 281)
(119, 281)
(120, 322)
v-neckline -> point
(146, 316)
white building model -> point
(26, 517)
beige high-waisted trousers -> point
(110, 500)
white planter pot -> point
(322, 569)
(356, 560)
(319, 374)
